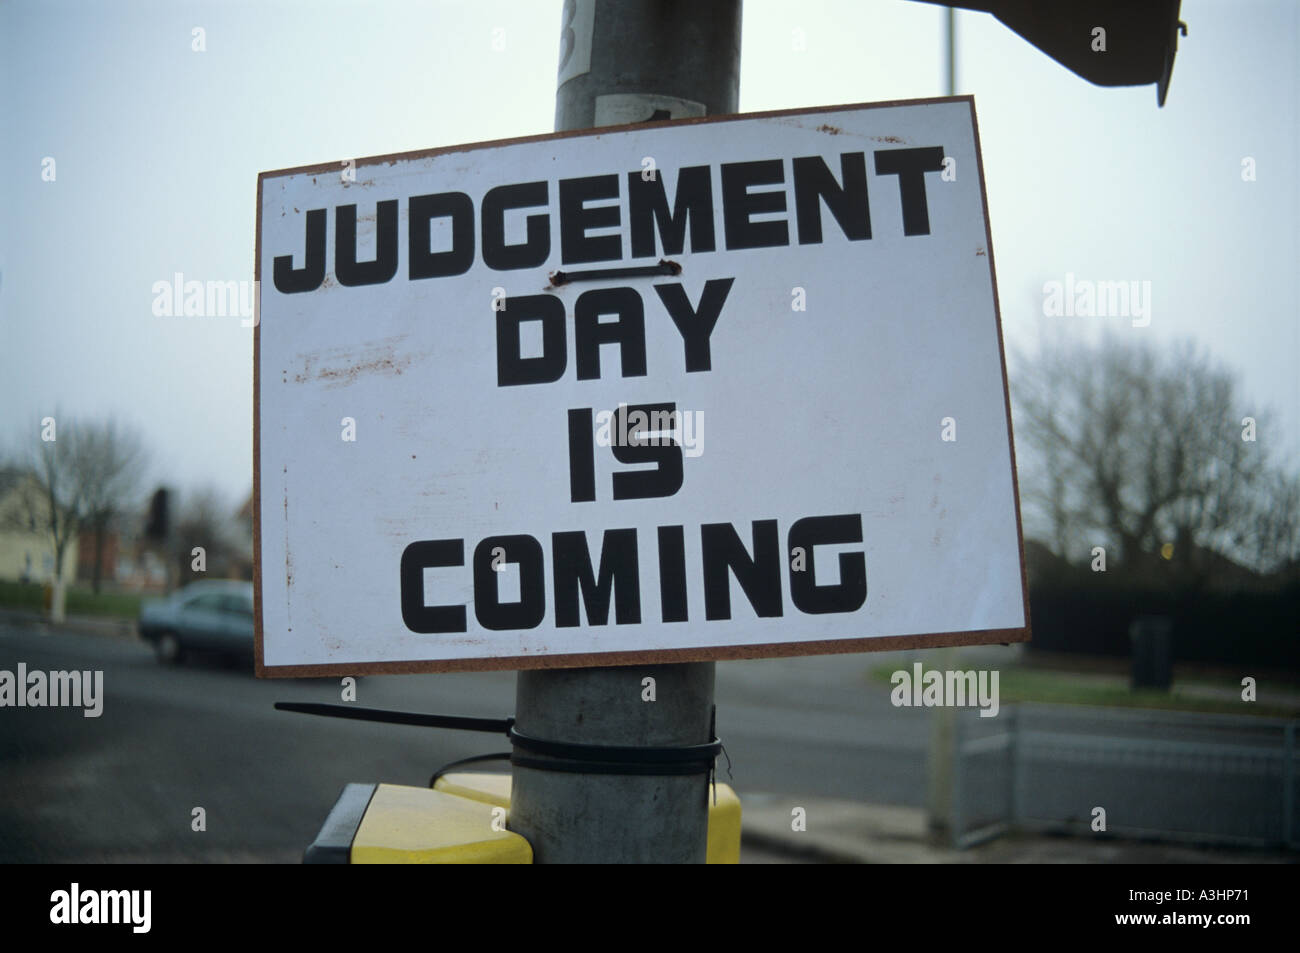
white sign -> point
(719, 388)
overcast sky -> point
(157, 147)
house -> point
(26, 549)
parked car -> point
(213, 616)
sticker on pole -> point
(715, 388)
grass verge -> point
(30, 596)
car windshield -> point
(237, 603)
(208, 601)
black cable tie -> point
(712, 780)
(632, 754)
(556, 755)
(612, 759)
(456, 722)
(564, 766)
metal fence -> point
(1208, 779)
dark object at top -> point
(156, 525)
(1141, 36)
(1153, 658)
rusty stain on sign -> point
(341, 367)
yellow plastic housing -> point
(409, 825)
(494, 790)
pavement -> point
(100, 625)
(851, 832)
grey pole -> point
(627, 61)
(940, 801)
(683, 50)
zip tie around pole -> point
(565, 757)
(500, 726)
(574, 758)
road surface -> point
(123, 786)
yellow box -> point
(409, 825)
(494, 790)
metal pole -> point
(950, 34)
(656, 50)
(1289, 838)
(627, 61)
(941, 800)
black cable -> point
(500, 756)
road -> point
(122, 787)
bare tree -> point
(111, 461)
(203, 523)
(1150, 453)
(74, 476)
(51, 494)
